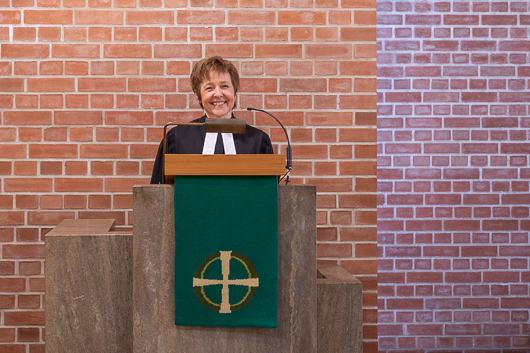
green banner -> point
(226, 251)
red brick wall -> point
(85, 87)
(453, 176)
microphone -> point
(289, 156)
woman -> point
(215, 82)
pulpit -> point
(108, 290)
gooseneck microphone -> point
(289, 156)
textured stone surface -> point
(88, 288)
(93, 306)
(153, 306)
(339, 311)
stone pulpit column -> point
(88, 271)
(153, 258)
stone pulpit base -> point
(112, 291)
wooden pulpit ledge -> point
(241, 164)
(83, 227)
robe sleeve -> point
(156, 176)
(266, 145)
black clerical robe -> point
(189, 139)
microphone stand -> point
(289, 156)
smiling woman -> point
(215, 82)
(217, 96)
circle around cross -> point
(200, 282)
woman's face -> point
(218, 95)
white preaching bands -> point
(211, 139)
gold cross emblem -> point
(225, 307)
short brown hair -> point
(202, 69)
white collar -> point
(211, 138)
